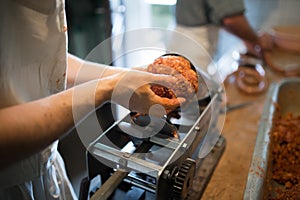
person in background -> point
(36, 107)
(228, 14)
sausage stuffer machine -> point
(155, 158)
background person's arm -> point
(255, 43)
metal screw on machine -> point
(197, 128)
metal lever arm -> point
(110, 185)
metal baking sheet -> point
(285, 94)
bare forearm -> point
(239, 26)
(28, 128)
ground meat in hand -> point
(178, 66)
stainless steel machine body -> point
(148, 158)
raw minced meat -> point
(180, 67)
(285, 158)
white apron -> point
(32, 66)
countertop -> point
(240, 129)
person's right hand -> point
(263, 44)
(132, 89)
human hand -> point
(133, 91)
(265, 41)
(263, 44)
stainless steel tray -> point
(285, 94)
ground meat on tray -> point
(288, 194)
(285, 137)
(179, 67)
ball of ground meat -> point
(181, 68)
